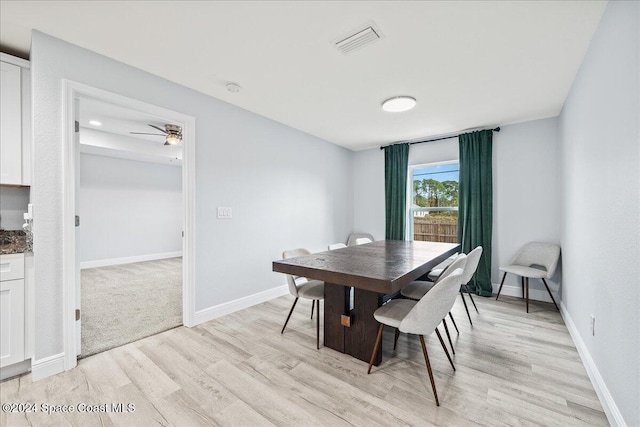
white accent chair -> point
(335, 246)
(363, 240)
(541, 254)
(301, 287)
(421, 317)
(351, 241)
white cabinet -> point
(12, 313)
(15, 121)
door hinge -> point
(77, 314)
(77, 220)
(77, 126)
(183, 234)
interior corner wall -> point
(128, 209)
(526, 189)
(600, 152)
(287, 188)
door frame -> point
(71, 91)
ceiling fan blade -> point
(160, 129)
(145, 133)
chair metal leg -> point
(395, 339)
(471, 296)
(317, 325)
(313, 304)
(444, 347)
(522, 283)
(549, 290)
(375, 347)
(454, 323)
(444, 322)
(465, 307)
(289, 316)
(526, 281)
(501, 283)
(426, 359)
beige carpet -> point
(127, 302)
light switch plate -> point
(225, 212)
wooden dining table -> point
(374, 270)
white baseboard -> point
(46, 367)
(239, 304)
(534, 294)
(128, 260)
(606, 400)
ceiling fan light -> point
(398, 104)
(173, 139)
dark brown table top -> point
(384, 266)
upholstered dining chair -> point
(301, 287)
(421, 317)
(419, 288)
(351, 241)
(335, 246)
(524, 262)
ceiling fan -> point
(173, 133)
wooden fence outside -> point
(435, 230)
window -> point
(434, 202)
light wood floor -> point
(513, 368)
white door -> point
(76, 162)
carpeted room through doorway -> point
(124, 303)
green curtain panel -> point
(475, 211)
(396, 163)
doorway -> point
(148, 267)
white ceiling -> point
(469, 64)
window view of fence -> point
(435, 203)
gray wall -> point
(526, 189)
(287, 188)
(128, 208)
(600, 166)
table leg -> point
(361, 336)
(336, 300)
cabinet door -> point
(10, 125)
(11, 322)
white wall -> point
(526, 190)
(128, 208)
(13, 205)
(600, 167)
(287, 188)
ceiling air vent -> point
(358, 38)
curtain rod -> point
(437, 139)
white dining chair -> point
(421, 317)
(535, 260)
(334, 246)
(301, 287)
(351, 241)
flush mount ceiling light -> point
(95, 123)
(398, 104)
(233, 87)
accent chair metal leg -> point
(426, 359)
(375, 347)
(289, 316)
(501, 283)
(524, 295)
(526, 281)
(465, 307)
(549, 290)
(444, 322)
(471, 297)
(444, 347)
(395, 339)
(313, 304)
(454, 323)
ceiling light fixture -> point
(173, 139)
(233, 87)
(398, 104)
(95, 123)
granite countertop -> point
(13, 242)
